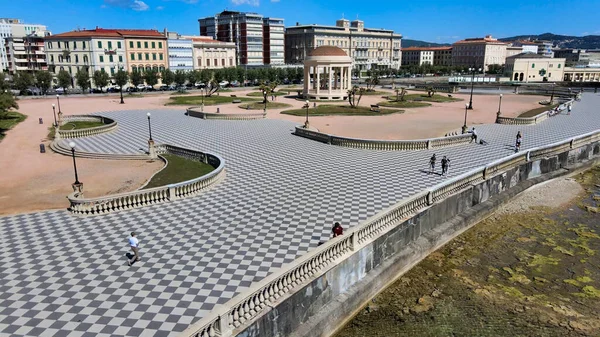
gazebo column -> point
(349, 79)
(330, 78)
(306, 79)
(318, 81)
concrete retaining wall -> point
(329, 300)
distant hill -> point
(416, 43)
(563, 41)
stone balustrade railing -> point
(198, 113)
(531, 120)
(385, 145)
(151, 196)
(281, 283)
(109, 125)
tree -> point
(7, 100)
(400, 92)
(22, 80)
(267, 90)
(168, 77)
(136, 78)
(372, 81)
(230, 74)
(83, 79)
(64, 79)
(179, 78)
(430, 91)
(241, 75)
(495, 69)
(44, 80)
(121, 78)
(100, 78)
(151, 77)
(352, 93)
(217, 77)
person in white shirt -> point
(134, 243)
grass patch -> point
(342, 110)
(403, 104)
(537, 111)
(80, 125)
(8, 121)
(261, 105)
(179, 169)
(212, 100)
(259, 94)
(434, 98)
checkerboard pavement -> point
(64, 275)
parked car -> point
(132, 89)
(172, 87)
(59, 90)
(163, 87)
(223, 83)
(200, 85)
(31, 91)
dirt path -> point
(518, 273)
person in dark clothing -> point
(337, 229)
(445, 164)
(432, 164)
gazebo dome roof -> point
(327, 51)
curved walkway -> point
(63, 275)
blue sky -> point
(430, 20)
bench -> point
(233, 95)
(375, 108)
(236, 101)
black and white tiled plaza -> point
(63, 275)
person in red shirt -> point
(337, 229)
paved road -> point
(64, 275)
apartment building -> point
(180, 50)
(439, 56)
(369, 48)
(22, 46)
(529, 67)
(106, 50)
(579, 57)
(146, 49)
(544, 48)
(258, 40)
(514, 50)
(527, 46)
(479, 52)
(213, 54)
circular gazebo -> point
(327, 74)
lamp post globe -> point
(149, 127)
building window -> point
(154, 56)
(83, 44)
(74, 44)
(133, 68)
(532, 65)
(120, 58)
(139, 44)
(110, 45)
(58, 44)
(49, 45)
(153, 44)
(99, 44)
(112, 70)
(147, 56)
(139, 56)
(101, 58)
(145, 44)
(559, 65)
(161, 69)
(76, 58)
(207, 62)
(67, 44)
(160, 45)
(110, 58)
(51, 58)
(60, 58)
(85, 59)
(132, 56)
(131, 45)
(119, 44)
(199, 62)
(223, 62)
(160, 56)
(230, 62)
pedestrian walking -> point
(432, 164)
(473, 135)
(518, 142)
(445, 165)
(337, 229)
(134, 243)
(569, 109)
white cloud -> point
(136, 5)
(160, 8)
(246, 2)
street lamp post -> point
(54, 112)
(58, 100)
(464, 128)
(306, 106)
(77, 185)
(265, 96)
(552, 97)
(149, 127)
(472, 84)
(499, 105)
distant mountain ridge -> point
(559, 41)
(562, 41)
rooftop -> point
(327, 51)
(102, 32)
(529, 55)
(487, 39)
(426, 48)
